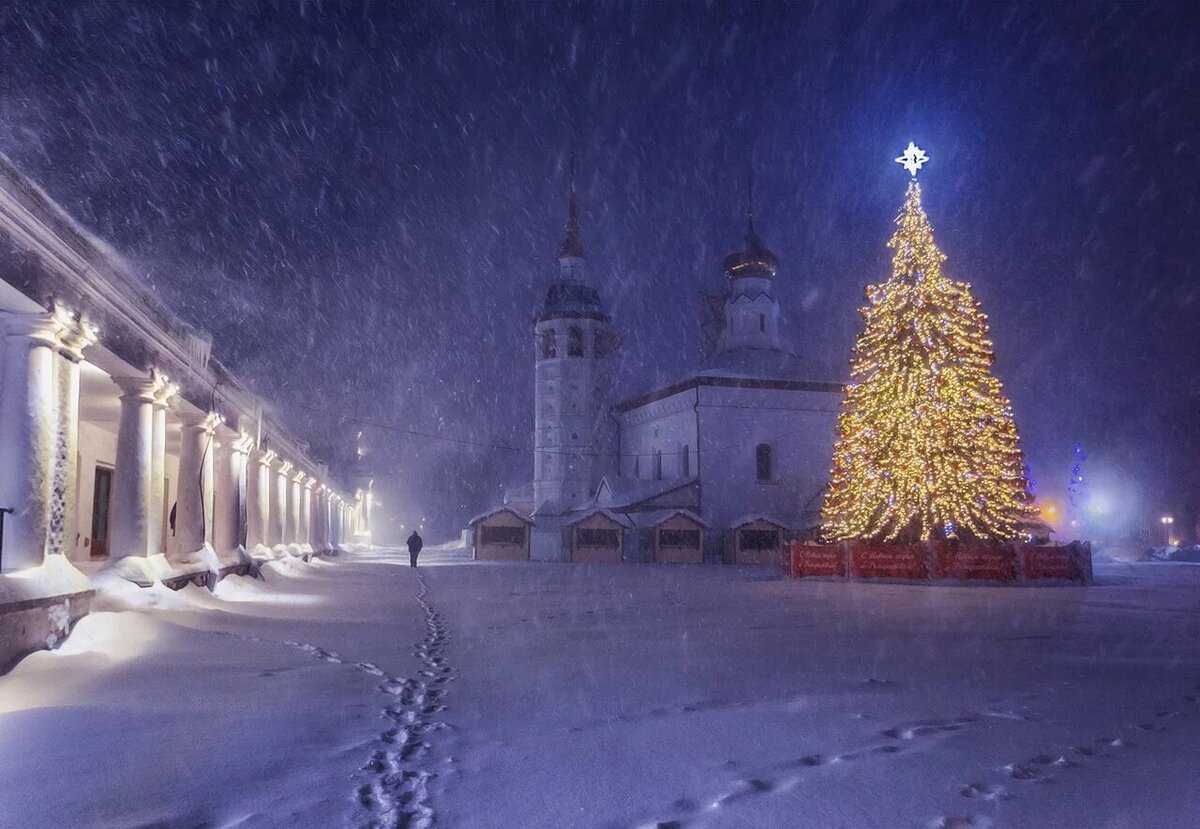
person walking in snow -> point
(414, 548)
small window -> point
(658, 464)
(685, 461)
(762, 461)
(574, 341)
(762, 322)
(637, 466)
(758, 539)
(503, 535)
(595, 537)
(689, 539)
(549, 345)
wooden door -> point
(101, 493)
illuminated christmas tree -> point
(926, 443)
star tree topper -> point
(912, 159)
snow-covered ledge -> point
(38, 606)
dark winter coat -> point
(414, 543)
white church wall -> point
(799, 428)
(667, 426)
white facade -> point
(751, 446)
(124, 444)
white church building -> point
(724, 464)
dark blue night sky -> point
(363, 202)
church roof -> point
(653, 519)
(718, 379)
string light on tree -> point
(926, 442)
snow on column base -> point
(56, 576)
(134, 569)
(237, 558)
(261, 552)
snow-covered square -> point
(362, 692)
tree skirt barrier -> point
(943, 561)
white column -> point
(27, 435)
(292, 535)
(63, 501)
(320, 519)
(333, 522)
(158, 461)
(230, 506)
(279, 504)
(258, 500)
(368, 506)
(129, 521)
(194, 510)
(306, 496)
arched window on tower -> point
(762, 322)
(574, 341)
(762, 461)
(685, 462)
(658, 464)
(548, 344)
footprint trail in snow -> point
(398, 793)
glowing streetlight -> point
(1167, 521)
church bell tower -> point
(574, 347)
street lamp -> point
(1167, 521)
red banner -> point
(1050, 563)
(888, 561)
(976, 561)
(828, 560)
(967, 561)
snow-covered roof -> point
(764, 363)
(519, 513)
(585, 514)
(617, 491)
(653, 519)
(750, 519)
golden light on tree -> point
(926, 442)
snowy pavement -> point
(359, 692)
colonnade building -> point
(125, 445)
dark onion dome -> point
(755, 260)
(572, 299)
